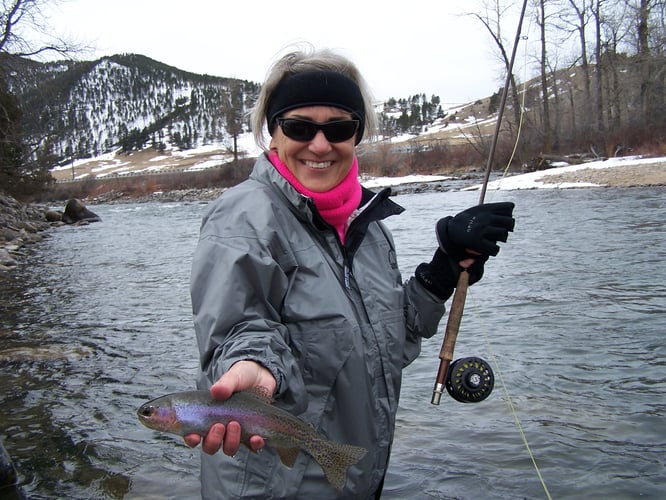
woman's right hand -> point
(241, 376)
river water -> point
(571, 316)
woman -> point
(296, 289)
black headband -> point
(316, 88)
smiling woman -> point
(317, 164)
(296, 289)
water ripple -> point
(570, 316)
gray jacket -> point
(335, 325)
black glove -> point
(478, 228)
(440, 275)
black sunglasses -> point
(305, 130)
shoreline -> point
(642, 175)
(22, 224)
(622, 176)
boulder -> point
(53, 216)
(7, 470)
(76, 211)
(7, 232)
(20, 224)
(6, 260)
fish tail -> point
(335, 459)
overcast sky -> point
(402, 48)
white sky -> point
(402, 48)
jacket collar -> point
(373, 207)
(265, 173)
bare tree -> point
(21, 17)
(596, 14)
(577, 16)
(546, 123)
(652, 73)
(23, 33)
(493, 18)
(233, 111)
(610, 20)
(614, 72)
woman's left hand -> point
(476, 231)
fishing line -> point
(485, 330)
(521, 120)
(521, 115)
(475, 370)
(508, 399)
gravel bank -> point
(652, 174)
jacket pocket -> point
(324, 352)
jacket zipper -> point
(347, 273)
(347, 270)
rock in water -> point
(76, 211)
(7, 470)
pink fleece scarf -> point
(335, 205)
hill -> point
(127, 113)
(463, 123)
(82, 109)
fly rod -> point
(470, 379)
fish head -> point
(159, 417)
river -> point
(571, 316)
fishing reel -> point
(469, 380)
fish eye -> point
(146, 410)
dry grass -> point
(144, 162)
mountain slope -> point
(130, 114)
(82, 109)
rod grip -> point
(450, 335)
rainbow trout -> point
(195, 411)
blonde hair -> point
(302, 59)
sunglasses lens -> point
(305, 130)
(340, 131)
(298, 130)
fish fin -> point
(288, 455)
(335, 459)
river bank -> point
(622, 172)
(22, 224)
(618, 172)
(645, 175)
